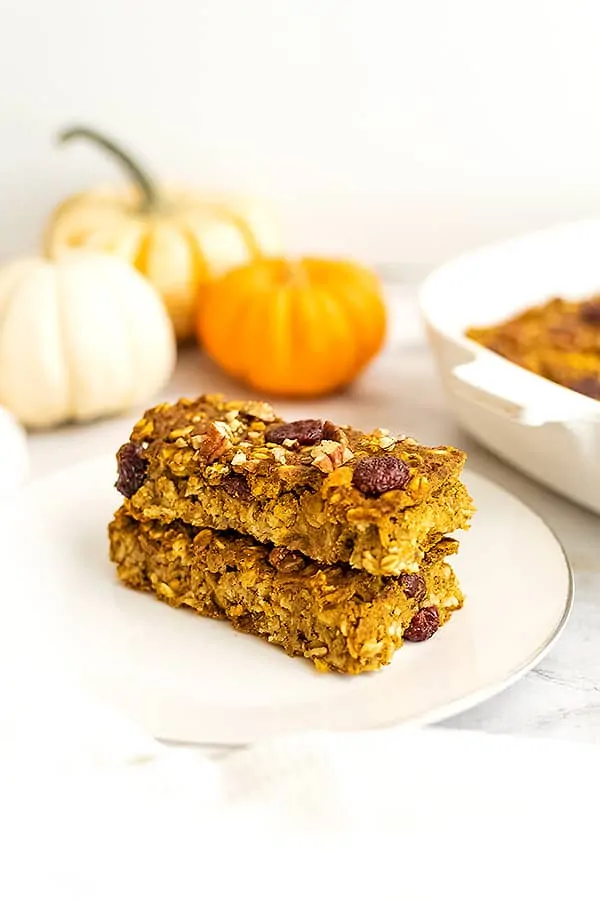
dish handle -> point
(502, 387)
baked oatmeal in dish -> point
(559, 340)
(339, 618)
(376, 501)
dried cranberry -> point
(131, 469)
(590, 312)
(209, 441)
(375, 475)
(305, 431)
(236, 486)
(413, 586)
(424, 624)
(589, 385)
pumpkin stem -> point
(141, 178)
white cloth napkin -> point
(92, 807)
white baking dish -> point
(547, 431)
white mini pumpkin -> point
(81, 337)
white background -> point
(396, 130)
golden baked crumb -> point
(339, 618)
(375, 501)
(559, 340)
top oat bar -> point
(375, 501)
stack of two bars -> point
(323, 540)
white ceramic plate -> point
(185, 678)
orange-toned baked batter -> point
(341, 619)
(559, 340)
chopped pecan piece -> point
(210, 440)
(330, 455)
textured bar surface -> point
(340, 618)
(375, 501)
(559, 340)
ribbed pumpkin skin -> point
(80, 338)
(180, 247)
(294, 329)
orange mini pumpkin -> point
(293, 328)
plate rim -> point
(441, 712)
(487, 692)
(463, 704)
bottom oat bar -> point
(342, 619)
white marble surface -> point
(561, 697)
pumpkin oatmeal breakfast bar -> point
(559, 340)
(341, 619)
(337, 495)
